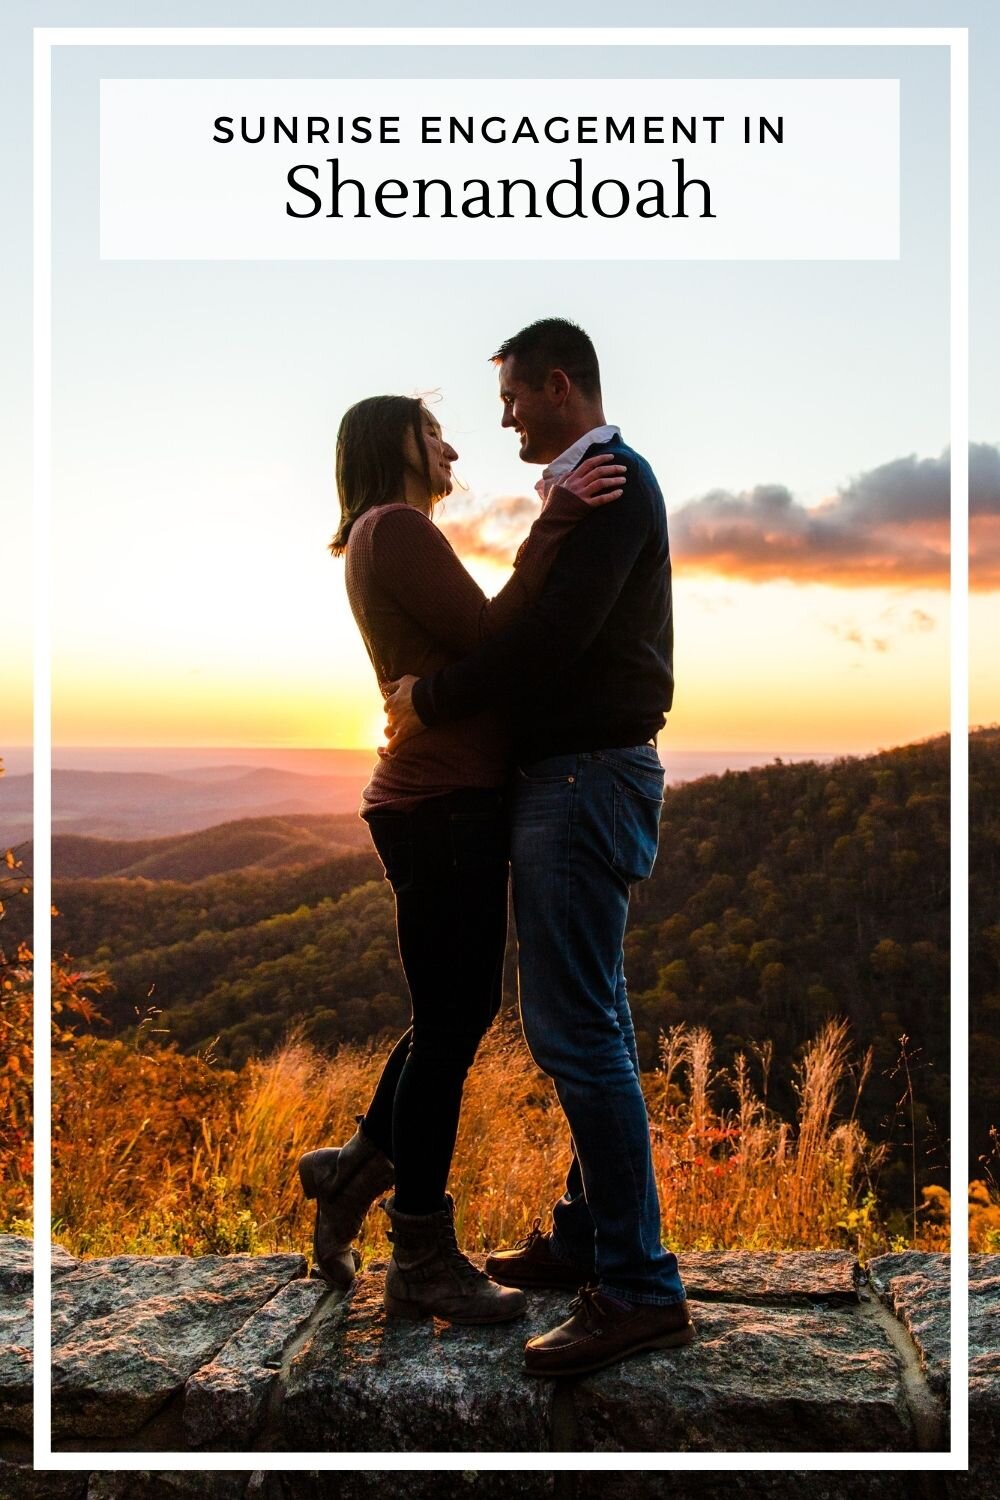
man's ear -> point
(558, 387)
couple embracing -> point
(521, 745)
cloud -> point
(889, 526)
(891, 623)
(920, 620)
(711, 604)
(886, 527)
(855, 637)
(493, 534)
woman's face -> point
(440, 455)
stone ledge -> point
(758, 1377)
(17, 1263)
(227, 1400)
(756, 1380)
(245, 1353)
(368, 1384)
(917, 1290)
(127, 1333)
(471, 1484)
(984, 1358)
(771, 1276)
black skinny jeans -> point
(447, 862)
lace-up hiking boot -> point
(603, 1330)
(532, 1264)
(345, 1181)
(428, 1274)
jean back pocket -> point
(636, 832)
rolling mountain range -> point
(782, 896)
(146, 804)
(247, 843)
(143, 794)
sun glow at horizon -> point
(776, 666)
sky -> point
(796, 415)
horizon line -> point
(364, 749)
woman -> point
(437, 819)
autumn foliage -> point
(162, 1150)
(157, 1152)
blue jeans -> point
(584, 829)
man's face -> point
(533, 414)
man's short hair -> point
(552, 344)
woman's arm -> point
(414, 562)
(416, 566)
(593, 483)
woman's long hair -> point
(370, 463)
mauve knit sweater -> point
(418, 610)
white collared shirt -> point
(568, 461)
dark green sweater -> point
(590, 666)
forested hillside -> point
(263, 843)
(798, 893)
(984, 942)
(112, 920)
(782, 896)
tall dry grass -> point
(984, 1202)
(158, 1152)
(739, 1176)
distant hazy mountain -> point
(249, 843)
(144, 804)
(148, 794)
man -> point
(588, 678)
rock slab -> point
(366, 1383)
(755, 1380)
(16, 1334)
(244, 1353)
(17, 1263)
(802, 1277)
(15, 1362)
(128, 1333)
(917, 1289)
(226, 1401)
(984, 1359)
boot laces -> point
(463, 1265)
(534, 1233)
(585, 1302)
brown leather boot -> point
(604, 1329)
(532, 1263)
(428, 1274)
(345, 1181)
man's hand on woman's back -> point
(403, 721)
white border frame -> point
(956, 40)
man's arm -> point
(585, 581)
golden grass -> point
(984, 1203)
(156, 1152)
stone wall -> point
(796, 1353)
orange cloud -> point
(890, 624)
(889, 526)
(984, 552)
(493, 535)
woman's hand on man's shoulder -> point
(597, 481)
